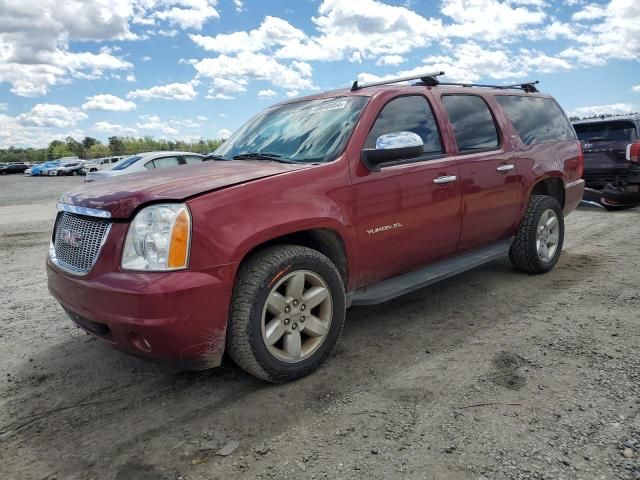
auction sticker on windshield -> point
(333, 105)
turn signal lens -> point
(179, 247)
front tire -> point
(287, 313)
(540, 236)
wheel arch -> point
(327, 241)
(552, 186)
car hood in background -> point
(122, 194)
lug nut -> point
(294, 326)
(302, 307)
(302, 319)
(286, 321)
(295, 303)
(287, 309)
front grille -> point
(77, 241)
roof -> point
(429, 81)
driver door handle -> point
(444, 179)
(505, 168)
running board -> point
(416, 279)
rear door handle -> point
(444, 179)
(505, 168)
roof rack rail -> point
(528, 87)
(426, 78)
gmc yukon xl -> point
(349, 197)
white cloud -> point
(113, 129)
(292, 93)
(14, 133)
(268, 93)
(131, 78)
(154, 123)
(34, 43)
(239, 5)
(172, 91)
(391, 60)
(251, 66)
(108, 102)
(146, 58)
(589, 12)
(612, 109)
(189, 13)
(202, 118)
(224, 134)
(490, 20)
(636, 88)
(4, 106)
(52, 115)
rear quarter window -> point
(537, 120)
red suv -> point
(350, 197)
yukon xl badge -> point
(384, 228)
(73, 239)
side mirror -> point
(392, 147)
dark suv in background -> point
(611, 164)
(17, 167)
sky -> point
(185, 69)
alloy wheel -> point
(297, 316)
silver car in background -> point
(146, 161)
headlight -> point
(158, 239)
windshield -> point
(124, 163)
(310, 131)
(618, 130)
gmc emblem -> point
(73, 239)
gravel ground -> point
(489, 375)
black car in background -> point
(13, 168)
(611, 163)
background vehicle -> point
(13, 168)
(37, 170)
(349, 197)
(66, 168)
(611, 178)
(99, 164)
(146, 161)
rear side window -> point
(163, 162)
(601, 131)
(537, 120)
(472, 122)
(407, 114)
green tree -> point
(116, 145)
(89, 142)
(98, 150)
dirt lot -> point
(489, 375)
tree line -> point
(90, 148)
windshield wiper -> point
(262, 156)
(597, 139)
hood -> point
(122, 194)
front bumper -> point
(177, 318)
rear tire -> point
(540, 236)
(272, 334)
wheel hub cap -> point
(297, 316)
(547, 235)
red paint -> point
(237, 206)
